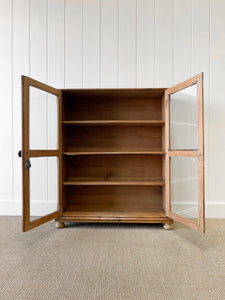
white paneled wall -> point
(110, 43)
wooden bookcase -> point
(113, 155)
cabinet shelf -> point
(114, 122)
(113, 181)
(92, 151)
(119, 210)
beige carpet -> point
(99, 261)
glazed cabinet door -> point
(41, 152)
(185, 153)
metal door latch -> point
(27, 161)
(27, 164)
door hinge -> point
(27, 164)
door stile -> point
(27, 153)
(200, 226)
(25, 147)
(200, 92)
(60, 155)
(201, 194)
(167, 159)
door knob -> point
(20, 153)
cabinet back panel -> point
(115, 197)
(114, 166)
(113, 137)
(117, 107)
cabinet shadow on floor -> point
(204, 242)
(106, 226)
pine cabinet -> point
(113, 155)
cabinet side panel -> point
(163, 157)
(60, 154)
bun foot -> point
(167, 226)
(59, 224)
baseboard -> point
(212, 210)
(14, 208)
(215, 210)
(186, 210)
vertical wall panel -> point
(38, 65)
(6, 169)
(73, 43)
(38, 70)
(20, 66)
(56, 43)
(163, 43)
(56, 79)
(109, 43)
(38, 39)
(217, 101)
(182, 40)
(91, 43)
(145, 43)
(200, 63)
(127, 43)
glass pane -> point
(183, 119)
(43, 186)
(43, 120)
(184, 186)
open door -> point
(41, 152)
(185, 153)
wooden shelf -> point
(113, 181)
(118, 210)
(80, 151)
(110, 217)
(115, 122)
(118, 213)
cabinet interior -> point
(113, 152)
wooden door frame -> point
(200, 226)
(27, 153)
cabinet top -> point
(116, 92)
